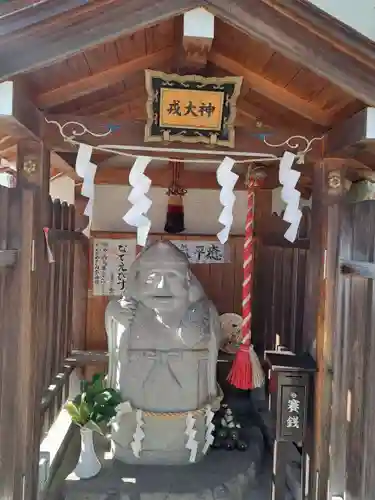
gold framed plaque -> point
(191, 108)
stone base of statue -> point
(221, 475)
(164, 436)
(164, 442)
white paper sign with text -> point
(111, 261)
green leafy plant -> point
(95, 406)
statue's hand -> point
(122, 310)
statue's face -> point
(163, 289)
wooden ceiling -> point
(107, 81)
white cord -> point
(180, 160)
(294, 142)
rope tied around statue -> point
(214, 404)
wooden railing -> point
(39, 325)
(63, 240)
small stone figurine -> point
(229, 434)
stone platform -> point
(224, 475)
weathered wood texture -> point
(108, 80)
(279, 288)
(268, 29)
(319, 310)
(80, 280)
(8, 343)
(65, 316)
(36, 327)
(353, 398)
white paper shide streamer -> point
(86, 169)
(123, 409)
(209, 438)
(139, 435)
(192, 443)
(137, 215)
(290, 195)
(227, 180)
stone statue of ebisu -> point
(163, 340)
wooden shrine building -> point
(306, 80)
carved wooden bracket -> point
(198, 37)
(196, 51)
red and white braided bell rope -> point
(247, 374)
(248, 265)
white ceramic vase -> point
(88, 463)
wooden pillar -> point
(81, 275)
(8, 336)
(328, 188)
(26, 324)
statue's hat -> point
(163, 253)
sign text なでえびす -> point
(111, 261)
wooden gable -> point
(300, 78)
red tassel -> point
(175, 215)
(241, 374)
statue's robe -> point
(158, 368)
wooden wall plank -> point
(362, 239)
(8, 352)
(368, 479)
(353, 399)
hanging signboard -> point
(191, 108)
(203, 252)
(113, 257)
(111, 261)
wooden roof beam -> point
(360, 128)
(131, 133)
(34, 13)
(20, 119)
(102, 106)
(254, 17)
(325, 58)
(68, 38)
(274, 122)
(316, 20)
(273, 92)
(63, 167)
(98, 81)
